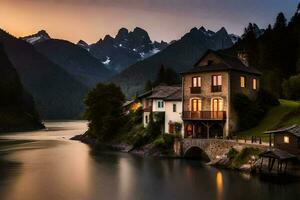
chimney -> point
(243, 56)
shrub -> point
(232, 153)
(244, 156)
(164, 143)
(248, 112)
(266, 100)
(291, 87)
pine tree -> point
(148, 86)
(280, 21)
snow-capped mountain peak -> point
(38, 37)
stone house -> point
(208, 88)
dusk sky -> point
(166, 20)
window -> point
(174, 108)
(216, 83)
(254, 84)
(216, 80)
(196, 105)
(196, 82)
(160, 104)
(286, 139)
(146, 119)
(243, 81)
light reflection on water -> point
(55, 168)
(219, 183)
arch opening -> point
(196, 153)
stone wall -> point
(216, 148)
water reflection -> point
(55, 168)
(219, 183)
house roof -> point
(278, 154)
(294, 129)
(127, 103)
(176, 96)
(230, 63)
(162, 92)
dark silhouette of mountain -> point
(83, 44)
(57, 94)
(180, 55)
(38, 37)
(17, 109)
(75, 60)
(125, 49)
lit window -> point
(254, 82)
(286, 139)
(196, 105)
(196, 81)
(174, 108)
(217, 80)
(243, 81)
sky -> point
(166, 20)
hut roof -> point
(278, 154)
(294, 129)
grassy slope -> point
(283, 115)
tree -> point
(166, 76)
(291, 87)
(104, 111)
(280, 22)
(148, 86)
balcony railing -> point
(216, 88)
(204, 115)
(195, 90)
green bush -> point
(164, 143)
(248, 112)
(291, 87)
(266, 100)
(232, 153)
(244, 156)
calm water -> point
(51, 167)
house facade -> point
(165, 100)
(207, 92)
(173, 114)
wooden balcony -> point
(204, 115)
(216, 88)
(195, 90)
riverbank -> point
(145, 150)
(241, 159)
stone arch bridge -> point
(210, 149)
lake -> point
(46, 165)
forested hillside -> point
(17, 109)
(276, 53)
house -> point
(165, 100)
(286, 139)
(173, 112)
(208, 88)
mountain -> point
(17, 109)
(38, 37)
(57, 94)
(125, 49)
(180, 55)
(75, 60)
(83, 44)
